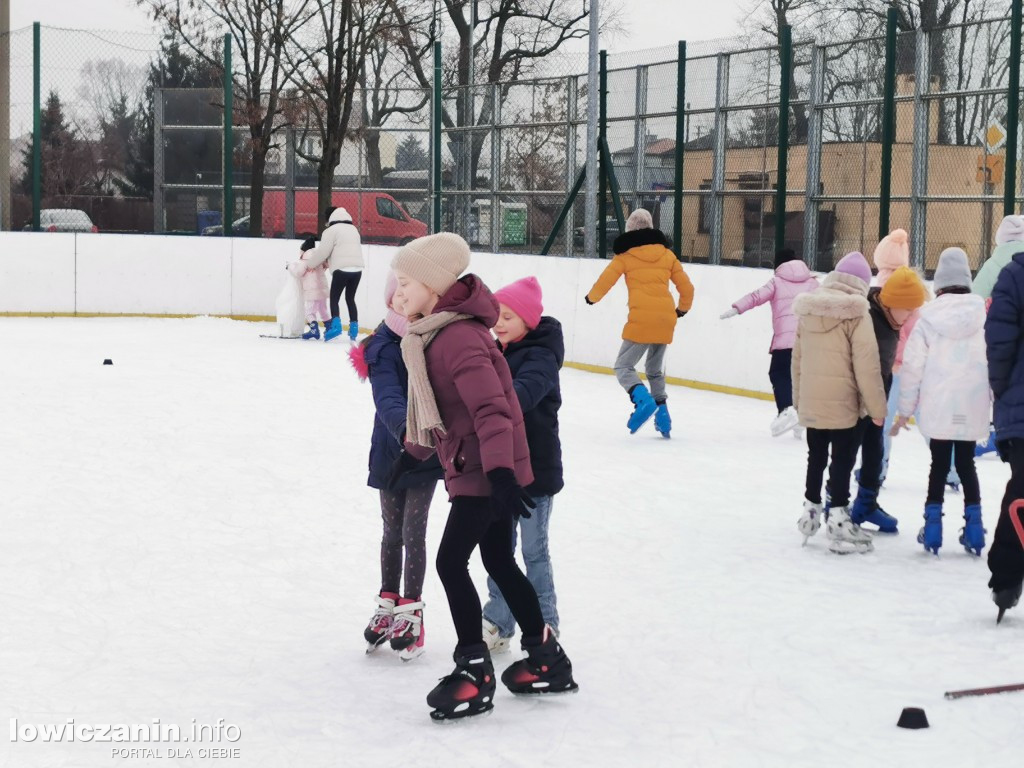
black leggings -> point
(473, 523)
(781, 377)
(347, 282)
(962, 454)
(1006, 554)
(844, 443)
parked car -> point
(64, 220)
(239, 228)
(378, 216)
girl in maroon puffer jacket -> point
(463, 405)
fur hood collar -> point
(629, 240)
(841, 297)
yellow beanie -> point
(903, 290)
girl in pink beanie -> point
(534, 348)
(891, 253)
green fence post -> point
(37, 129)
(435, 141)
(1012, 113)
(229, 142)
(782, 161)
(564, 213)
(602, 195)
(677, 201)
(888, 123)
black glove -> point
(680, 313)
(507, 496)
(403, 464)
(1003, 448)
(589, 302)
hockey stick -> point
(1017, 520)
(984, 691)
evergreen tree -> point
(411, 156)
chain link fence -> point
(131, 137)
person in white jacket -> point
(342, 249)
(945, 374)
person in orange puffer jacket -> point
(643, 256)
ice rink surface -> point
(187, 534)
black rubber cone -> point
(913, 717)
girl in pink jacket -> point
(792, 277)
(314, 290)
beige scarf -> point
(423, 417)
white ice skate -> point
(845, 536)
(785, 421)
(378, 631)
(810, 520)
(492, 637)
(798, 432)
(408, 632)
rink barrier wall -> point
(108, 275)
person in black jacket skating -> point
(1004, 338)
(534, 348)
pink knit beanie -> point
(891, 253)
(392, 319)
(524, 298)
(856, 265)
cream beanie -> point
(437, 261)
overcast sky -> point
(650, 23)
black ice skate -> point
(468, 690)
(546, 668)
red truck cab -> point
(379, 218)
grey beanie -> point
(1011, 230)
(953, 270)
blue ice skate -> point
(931, 534)
(313, 332)
(353, 330)
(663, 421)
(865, 509)
(972, 537)
(333, 330)
(644, 408)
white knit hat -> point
(437, 261)
(1011, 230)
(639, 219)
(953, 270)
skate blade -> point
(372, 647)
(850, 547)
(999, 618)
(456, 718)
(571, 689)
(408, 655)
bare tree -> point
(261, 32)
(388, 84)
(326, 71)
(506, 43)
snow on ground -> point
(188, 534)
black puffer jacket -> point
(535, 361)
(887, 336)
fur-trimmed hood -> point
(638, 237)
(841, 297)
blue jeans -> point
(890, 417)
(538, 571)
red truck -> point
(377, 215)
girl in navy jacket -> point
(404, 500)
(534, 349)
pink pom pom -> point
(357, 357)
